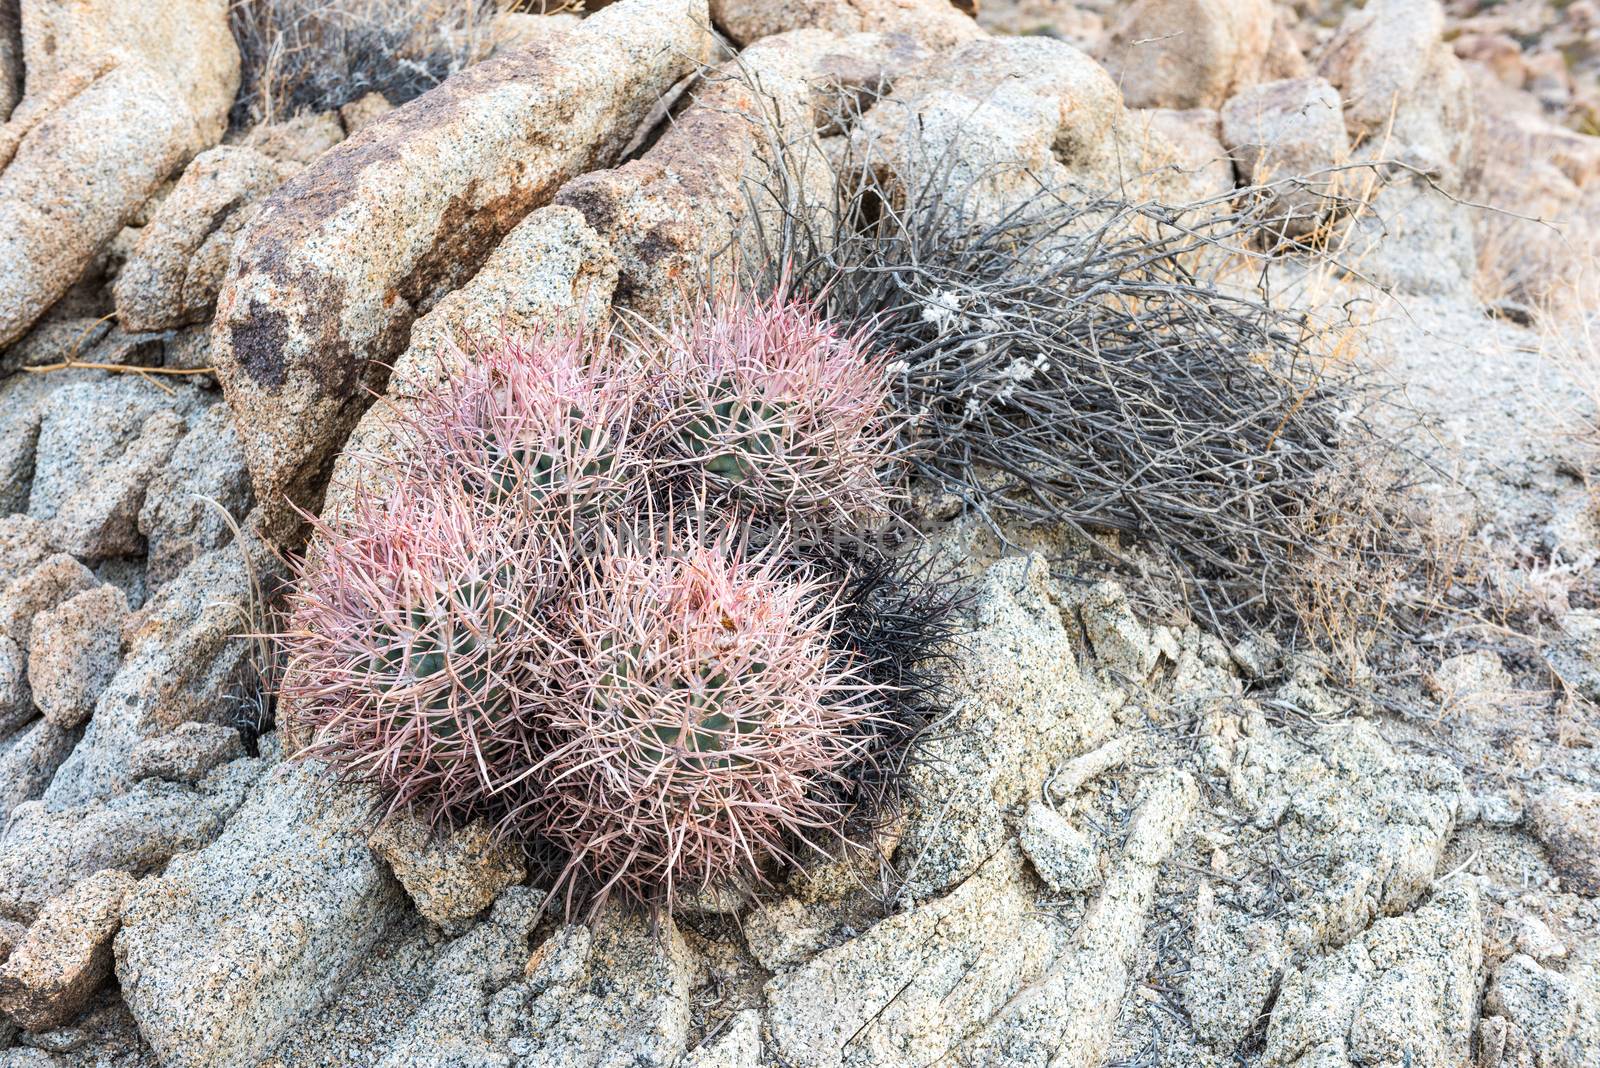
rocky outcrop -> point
(1189, 53)
(48, 849)
(173, 275)
(74, 650)
(1405, 992)
(935, 23)
(1356, 831)
(38, 589)
(666, 214)
(1289, 135)
(186, 753)
(1002, 119)
(1532, 1017)
(238, 943)
(1405, 94)
(66, 953)
(193, 503)
(451, 876)
(183, 656)
(1019, 707)
(93, 462)
(328, 278)
(552, 272)
(119, 97)
(29, 760)
(1567, 819)
(1407, 102)
(617, 993)
(1064, 1018)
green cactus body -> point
(735, 436)
(442, 655)
(581, 456)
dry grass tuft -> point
(302, 56)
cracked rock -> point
(1063, 856)
(176, 269)
(66, 954)
(1567, 820)
(100, 518)
(186, 753)
(47, 850)
(29, 760)
(73, 651)
(616, 994)
(1019, 707)
(450, 875)
(1404, 992)
(51, 582)
(238, 943)
(188, 504)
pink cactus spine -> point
(709, 728)
(536, 430)
(769, 399)
(419, 650)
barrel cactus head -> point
(789, 413)
(418, 649)
(710, 728)
(533, 426)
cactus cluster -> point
(577, 605)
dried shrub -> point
(1111, 366)
(300, 56)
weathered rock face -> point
(935, 23)
(39, 589)
(618, 993)
(175, 271)
(1189, 53)
(1408, 100)
(237, 944)
(82, 467)
(1188, 143)
(66, 954)
(74, 650)
(1005, 117)
(1289, 134)
(185, 753)
(183, 654)
(1405, 94)
(1532, 1017)
(49, 849)
(980, 977)
(189, 502)
(665, 214)
(329, 276)
(1020, 707)
(29, 759)
(1567, 820)
(100, 517)
(118, 98)
(1403, 993)
(451, 877)
(16, 698)
(552, 272)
